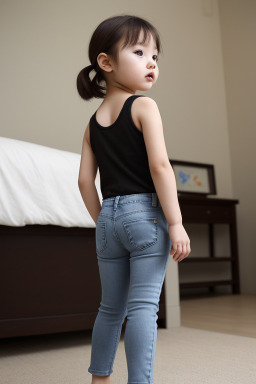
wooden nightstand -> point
(197, 209)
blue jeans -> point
(133, 247)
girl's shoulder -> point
(146, 99)
(145, 103)
(144, 107)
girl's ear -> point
(104, 62)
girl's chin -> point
(145, 87)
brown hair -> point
(105, 39)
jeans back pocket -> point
(141, 233)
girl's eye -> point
(138, 51)
(155, 56)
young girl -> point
(139, 223)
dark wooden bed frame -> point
(49, 280)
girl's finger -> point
(184, 253)
(173, 251)
(178, 252)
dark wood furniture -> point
(198, 209)
(49, 280)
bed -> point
(49, 273)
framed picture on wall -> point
(194, 178)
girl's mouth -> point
(150, 76)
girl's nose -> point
(151, 64)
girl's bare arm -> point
(159, 164)
(86, 179)
(163, 175)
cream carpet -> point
(183, 356)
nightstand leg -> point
(211, 248)
(234, 254)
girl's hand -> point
(180, 242)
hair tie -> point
(91, 67)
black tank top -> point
(121, 155)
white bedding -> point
(39, 185)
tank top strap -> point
(130, 100)
(126, 114)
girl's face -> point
(135, 63)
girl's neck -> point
(118, 92)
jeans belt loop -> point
(154, 199)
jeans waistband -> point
(132, 198)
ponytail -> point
(88, 88)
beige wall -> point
(238, 28)
(44, 45)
